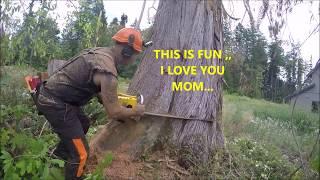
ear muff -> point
(128, 50)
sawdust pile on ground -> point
(158, 166)
(122, 165)
(117, 138)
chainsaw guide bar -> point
(172, 116)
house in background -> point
(309, 96)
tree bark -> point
(178, 25)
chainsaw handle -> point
(141, 99)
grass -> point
(267, 121)
(273, 126)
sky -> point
(298, 27)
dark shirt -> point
(74, 83)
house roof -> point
(314, 69)
(300, 91)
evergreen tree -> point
(272, 81)
(250, 58)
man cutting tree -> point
(92, 72)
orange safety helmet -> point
(123, 34)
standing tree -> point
(246, 73)
(272, 76)
(33, 41)
(87, 27)
(124, 20)
(178, 25)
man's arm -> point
(109, 96)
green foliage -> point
(37, 39)
(96, 112)
(245, 159)
(17, 108)
(15, 93)
(315, 163)
(259, 161)
(270, 124)
(245, 73)
(13, 114)
(295, 68)
(260, 69)
(129, 70)
(34, 41)
(304, 122)
(273, 85)
(88, 28)
(24, 156)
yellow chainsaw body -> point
(128, 101)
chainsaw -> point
(130, 101)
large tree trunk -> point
(182, 24)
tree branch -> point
(231, 17)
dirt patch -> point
(121, 139)
(155, 166)
(158, 166)
(123, 166)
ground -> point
(157, 165)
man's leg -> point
(84, 120)
(66, 123)
(73, 137)
(54, 110)
(78, 153)
(61, 151)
